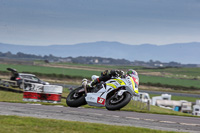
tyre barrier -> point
(42, 93)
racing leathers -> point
(106, 75)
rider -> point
(116, 73)
(106, 76)
(132, 73)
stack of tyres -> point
(42, 93)
(32, 92)
(52, 93)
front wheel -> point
(21, 86)
(76, 98)
(116, 103)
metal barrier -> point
(8, 83)
(137, 103)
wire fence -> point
(142, 105)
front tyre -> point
(21, 86)
(75, 99)
(116, 103)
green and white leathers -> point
(114, 94)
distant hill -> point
(181, 52)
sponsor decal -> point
(101, 100)
(112, 85)
(90, 98)
(121, 82)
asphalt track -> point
(125, 118)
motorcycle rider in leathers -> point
(106, 75)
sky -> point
(50, 22)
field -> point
(16, 124)
(178, 72)
(168, 77)
(185, 77)
(71, 72)
(170, 81)
(50, 70)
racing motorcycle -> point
(113, 94)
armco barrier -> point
(8, 83)
(42, 93)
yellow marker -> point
(121, 82)
(133, 83)
(112, 85)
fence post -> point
(148, 105)
(23, 84)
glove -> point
(94, 82)
(104, 73)
(114, 73)
(89, 85)
(120, 72)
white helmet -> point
(132, 73)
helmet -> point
(132, 73)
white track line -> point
(167, 122)
(189, 124)
(133, 118)
(149, 119)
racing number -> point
(101, 100)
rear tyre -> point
(113, 103)
(75, 99)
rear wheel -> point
(76, 98)
(118, 102)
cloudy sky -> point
(47, 22)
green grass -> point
(142, 108)
(182, 71)
(169, 81)
(50, 70)
(16, 124)
(174, 71)
(63, 71)
(87, 74)
(6, 96)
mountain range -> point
(185, 53)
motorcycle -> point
(113, 94)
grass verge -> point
(16, 124)
(7, 96)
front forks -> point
(85, 86)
